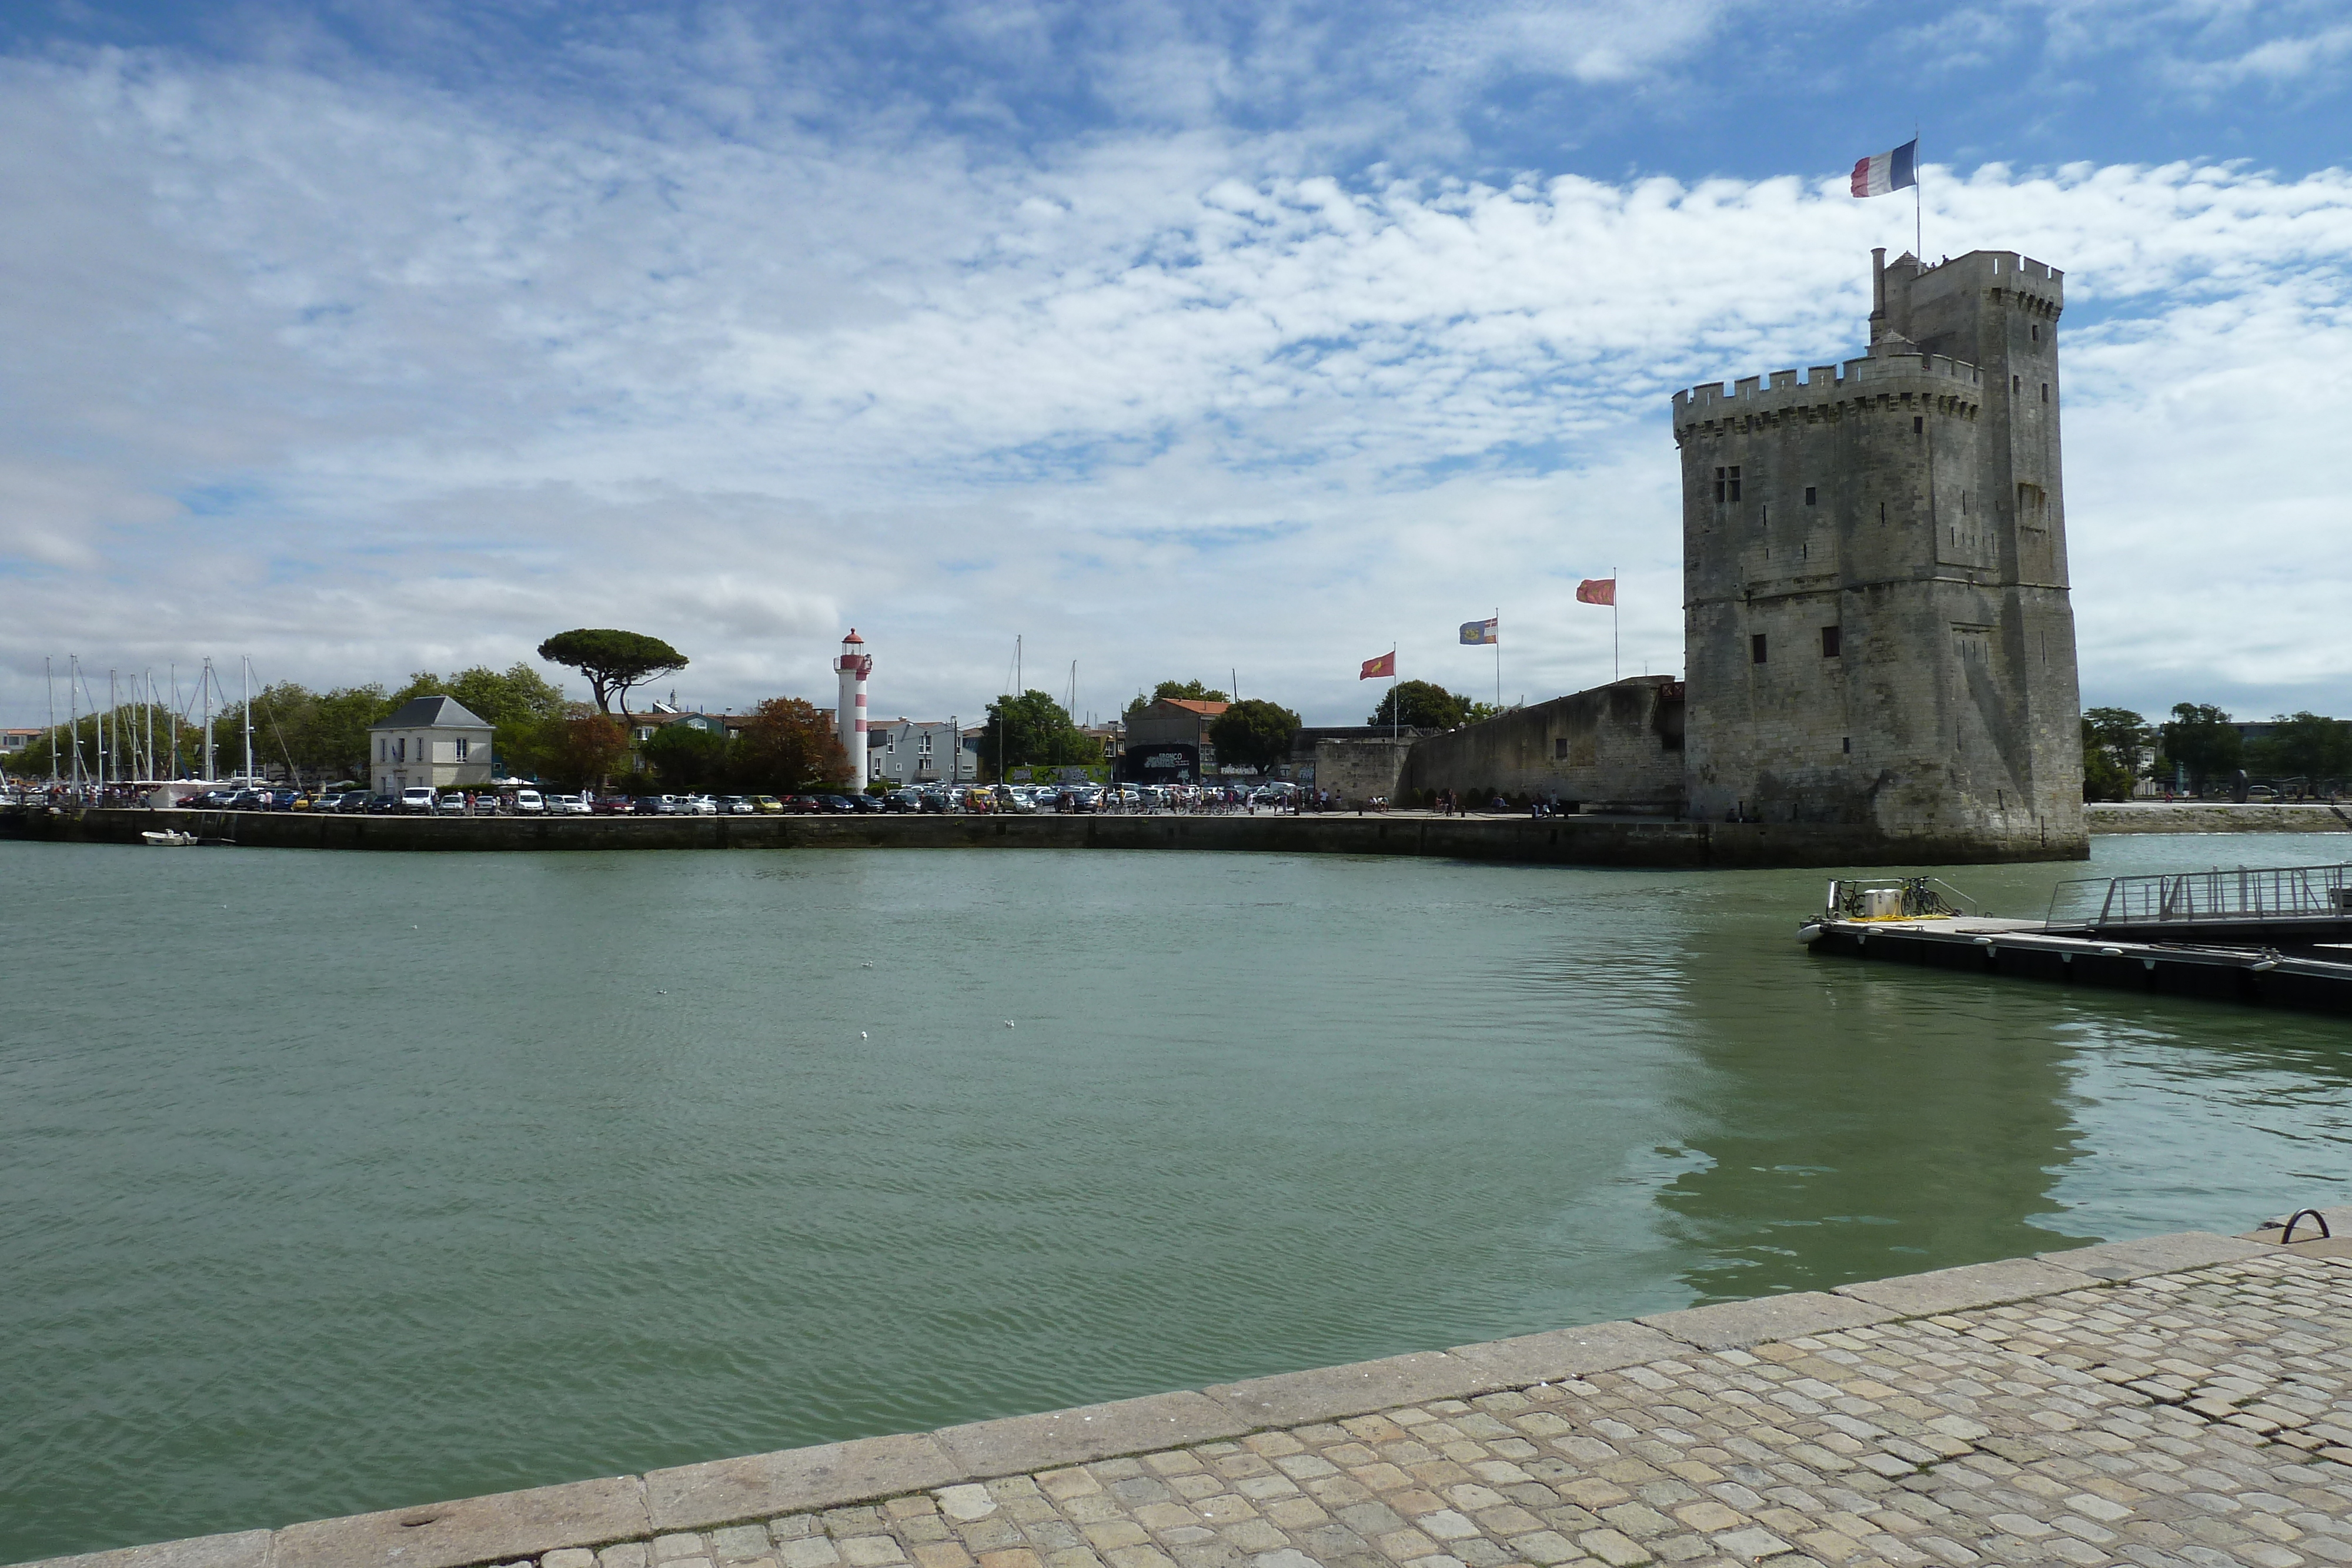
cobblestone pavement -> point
(2198, 1417)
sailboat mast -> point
(49, 679)
(244, 684)
(211, 770)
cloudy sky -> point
(367, 336)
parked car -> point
(697, 806)
(902, 801)
(417, 797)
(735, 805)
(867, 803)
(529, 803)
(570, 806)
(767, 805)
(614, 806)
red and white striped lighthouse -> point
(854, 665)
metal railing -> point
(2275, 892)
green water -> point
(341, 1182)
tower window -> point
(1756, 649)
(1845, 743)
(1829, 642)
(2037, 331)
(1560, 749)
(1918, 422)
(1727, 484)
(2045, 391)
(1810, 495)
(2017, 383)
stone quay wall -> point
(2180, 1399)
(2215, 817)
(1598, 840)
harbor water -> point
(336, 1182)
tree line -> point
(2202, 741)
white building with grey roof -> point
(429, 740)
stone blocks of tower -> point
(1876, 621)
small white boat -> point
(170, 836)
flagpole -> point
(1918, 201)
(1498, 658)
(1616, 669)
(1396, 709)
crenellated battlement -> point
(2030, 283)
(1869, 378)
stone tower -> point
(1875, 580)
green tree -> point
(687, 760)
(2118, 730)
(2112, 738)
(1424, 704)
(1253, 734)
(2104, 778)
(2200, 738)
(1189, 691)
(1033, 730)
(788, 746)
(614, 660)
(2305, 745)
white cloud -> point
(361, 378)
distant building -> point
(907, 753)
(430, 741)
(1167, 742)
(644, 726)
(13, 741)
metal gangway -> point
(2307, 904)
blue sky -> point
(1177, 338)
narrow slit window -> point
(1918, 422)
(1734, 481)
(1719, 484)
(2045, 391)
(2017, 383)
(1829, 642)
(1812, 494)
(1560, 749)
(1845, 743)
(1756, 649)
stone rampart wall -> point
(1618, 744)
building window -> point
(1845, 743)
(2037, 331)
(399, 750)
(2017, 383)
(926, 748)
(461, 748)
(383, 750)
(1919, 424)
(2045, 391)
(1808, 495)
(1829, 643)
(1756, 649)
(1727, 484)
(1560, 749)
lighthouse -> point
(852, 667)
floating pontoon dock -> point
(2278, 936)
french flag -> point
(1887, 171)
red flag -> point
(1597, 591)
(1379, 668)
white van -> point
(528, 803)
